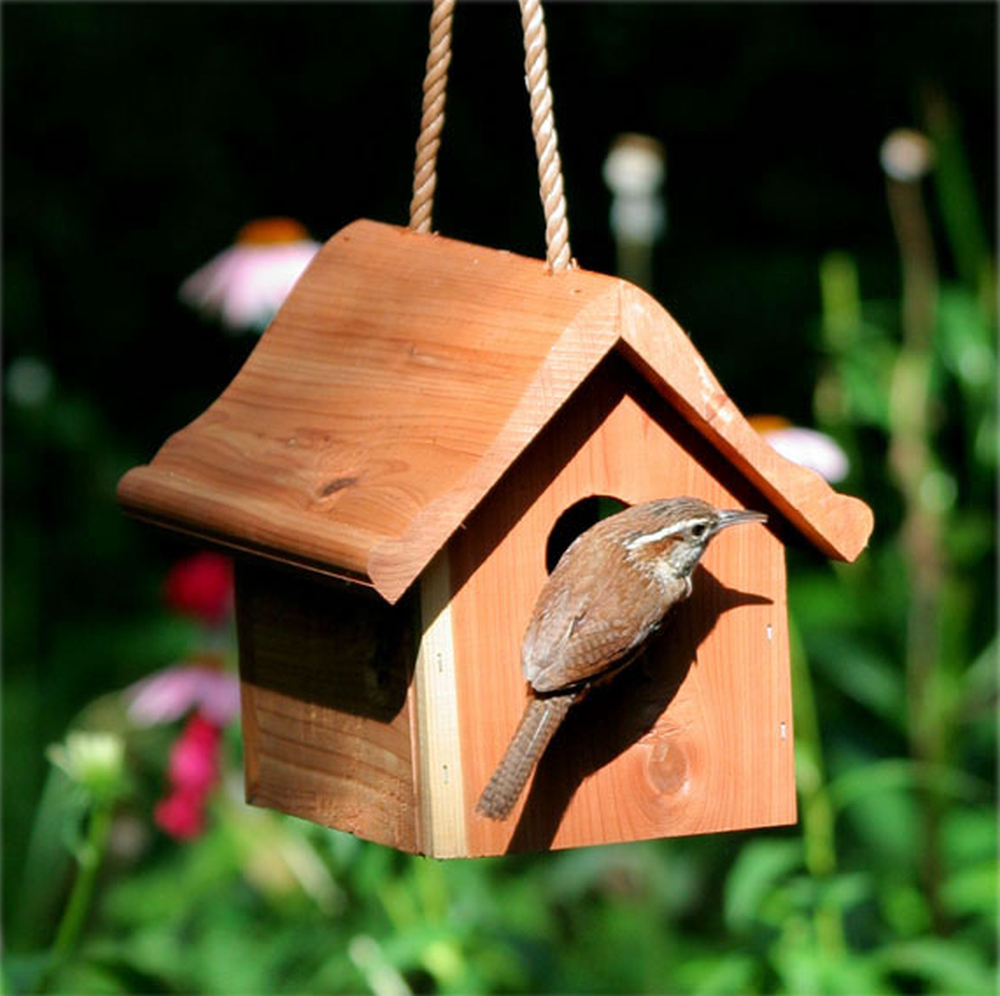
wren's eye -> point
(699, 530)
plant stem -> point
(912, 464)
(89, 859)
(818, 834)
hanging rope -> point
(536, 69)
(432, 116)
(543, 127)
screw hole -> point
(578, 518)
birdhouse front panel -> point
(696, 735)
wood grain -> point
(399, 382)
(325, 671)
(695, 738)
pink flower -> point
(247, 283)
(192, 771)
(167, 695)
(201, 585)
(181, 814)
(806, 447)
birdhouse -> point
(422, 429)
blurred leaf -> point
(970, 537)
(866, 373)
(847, 889)
(810, 970)
(48, 866)
(944, 965)
(970, 843)
(966, 342)
(862, 673)
(642, 871)
(23, 973)
(897, 774)
(379, 973)
(905, 908)
(82, 975)
(972, 891)
(840, 294)
(761, 865)
(970, 834)
(879, 818)
(719, 975)
(956, 193)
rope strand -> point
(536, 69)
(432, 116)
(543, 128)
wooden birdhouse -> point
(422, 428)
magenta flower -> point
(202, 586)
(193, 771)
(193, 764)
(181, 814)
(246, 284)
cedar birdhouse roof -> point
(400, 380)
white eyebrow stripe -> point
(674, 527)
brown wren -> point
(610, 591)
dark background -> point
(139, 138)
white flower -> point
(246, 284)
(636, 165)
(906, 155)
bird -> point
(609, 593)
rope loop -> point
(536, 77)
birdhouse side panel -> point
(325, 670)
(696, 735)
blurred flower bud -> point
(202, 586)
(94, 761)
(246, 284)
(28, 381)
(634, 171)
(906, 155)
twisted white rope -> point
(536, 69)
(432, 116)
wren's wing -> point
(594, 609)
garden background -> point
(139, 138)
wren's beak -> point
(732, 517)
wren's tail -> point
(539, 722)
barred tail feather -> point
(541, 719)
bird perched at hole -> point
(610, 591)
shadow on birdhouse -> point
(422, 429)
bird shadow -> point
(614, 717)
